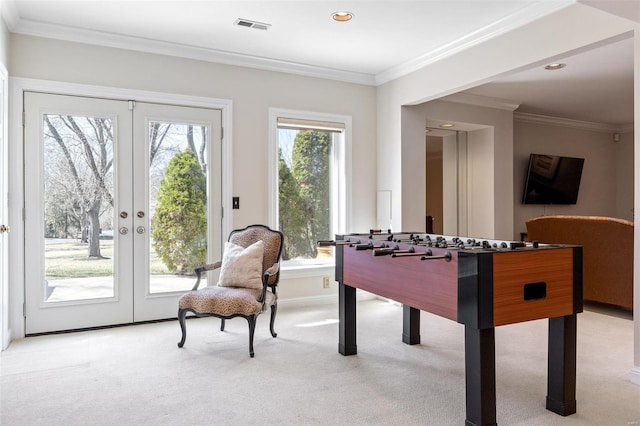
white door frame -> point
(17, 86)
(4, 213)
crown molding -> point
(21, 26)
(77, 35)
(576, 124)
(525, 117)
(482, 101)
(508, 23)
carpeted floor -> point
(136, 375)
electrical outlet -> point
(325, 282)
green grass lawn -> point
(69, 260)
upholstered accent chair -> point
(249, 275)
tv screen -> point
(552, 179)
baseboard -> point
(635, 375)
(297, 302)
(7, 336)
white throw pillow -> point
(242, 267)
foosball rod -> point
(392, 251)
(446, 257)
(408, 253)
(332, 243)
(357, 244)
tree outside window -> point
(309, 183)
(79, 187)
(304, 191)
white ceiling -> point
(595, 86)
(385, 40)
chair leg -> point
(222, 324)
(252, 328)
(274, 309)
(182, 314)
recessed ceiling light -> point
(445, 125)
(555, 66)
(342, 16)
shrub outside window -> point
(310, 184)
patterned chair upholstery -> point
(228, 302)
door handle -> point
(123, 231)
(4, 228)
(140, 229)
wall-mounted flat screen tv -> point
(552, 179)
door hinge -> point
(222, 212)
(221, 133)
(23, 117)
(24, 310)
(132, 105)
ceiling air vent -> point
(252, 24)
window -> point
(309, 182)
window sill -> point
(304, 271)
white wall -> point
(412, 171)
(598, 188)
(4, 40)
(624, 176)
(252, 93)
(485, 210)
(489, 180)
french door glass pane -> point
(177, 204)
(78, 211)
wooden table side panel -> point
(428, 285)
(511, 271)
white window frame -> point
(342, 200)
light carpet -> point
(136, 375)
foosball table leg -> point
(347, 317)
(480, 376)
(410, 325)
(561, 377)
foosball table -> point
(479, 283)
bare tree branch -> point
(56, 136)
(97, 173)
(156, 138)
(192, 145)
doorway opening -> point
(446, 160)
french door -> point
(122, 200)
